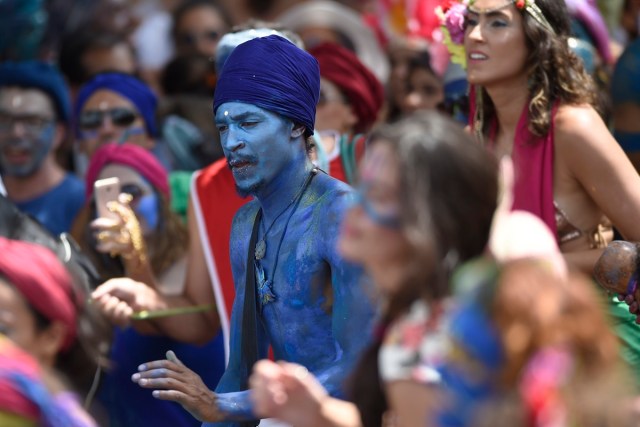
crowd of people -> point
(319, 213)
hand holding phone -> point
(106, 190)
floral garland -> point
(452, 16)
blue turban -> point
(274, 74)
(42, 76)
(124, 85)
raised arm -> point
(119, 298)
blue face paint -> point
(257, 144)
(148, 208)
(36, 148)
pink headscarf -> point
(42, 279)
(137, 158)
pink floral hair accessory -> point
(452, 17)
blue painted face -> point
(27, 130)
(257, 143)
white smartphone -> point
(106, 190)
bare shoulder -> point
(579, 126)
(333, 198)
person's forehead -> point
(104, 99)
(125, 173)
(233, 109)
(21, 100)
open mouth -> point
(475, 56)
(16, 155)
(239, 165)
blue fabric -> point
(57, 208)
(42, 76)
(629, 141)
(124, 85)
(274, 74)
(129, 404)
(625, 84)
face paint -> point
(256, 143)
(23, 156)
(148, 208)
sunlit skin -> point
(104, 100)
(361, 237)
(495, 45)
(321, 313)
(592, 176)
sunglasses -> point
(93, 119)
(133, 190)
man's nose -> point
(232, 141)
(476, 33)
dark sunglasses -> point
(93, 119)
(133, 190)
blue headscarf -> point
(42, 76)
(124, 85)
(274, 74)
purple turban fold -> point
(126, 86)
(274, 74)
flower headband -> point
(453, 14)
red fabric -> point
(17, 363)
(336, 165)
(137, 158)
(44, 282)
(343, 68)
(219, 202)
(533, 168)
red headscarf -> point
(42, 279)
(343, 68)
(137, 158)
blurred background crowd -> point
(78, 75)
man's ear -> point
(298, 130)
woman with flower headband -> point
(531, 99)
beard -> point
(249, 190)
(37, 150)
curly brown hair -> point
(556, 74)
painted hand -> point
(119, 298)
(172, 380)
(286, 391)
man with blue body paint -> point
(34, 117)
(309, 303)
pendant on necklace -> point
(265, 293)
(261, 249)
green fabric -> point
(628, 332)
(180, 183)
